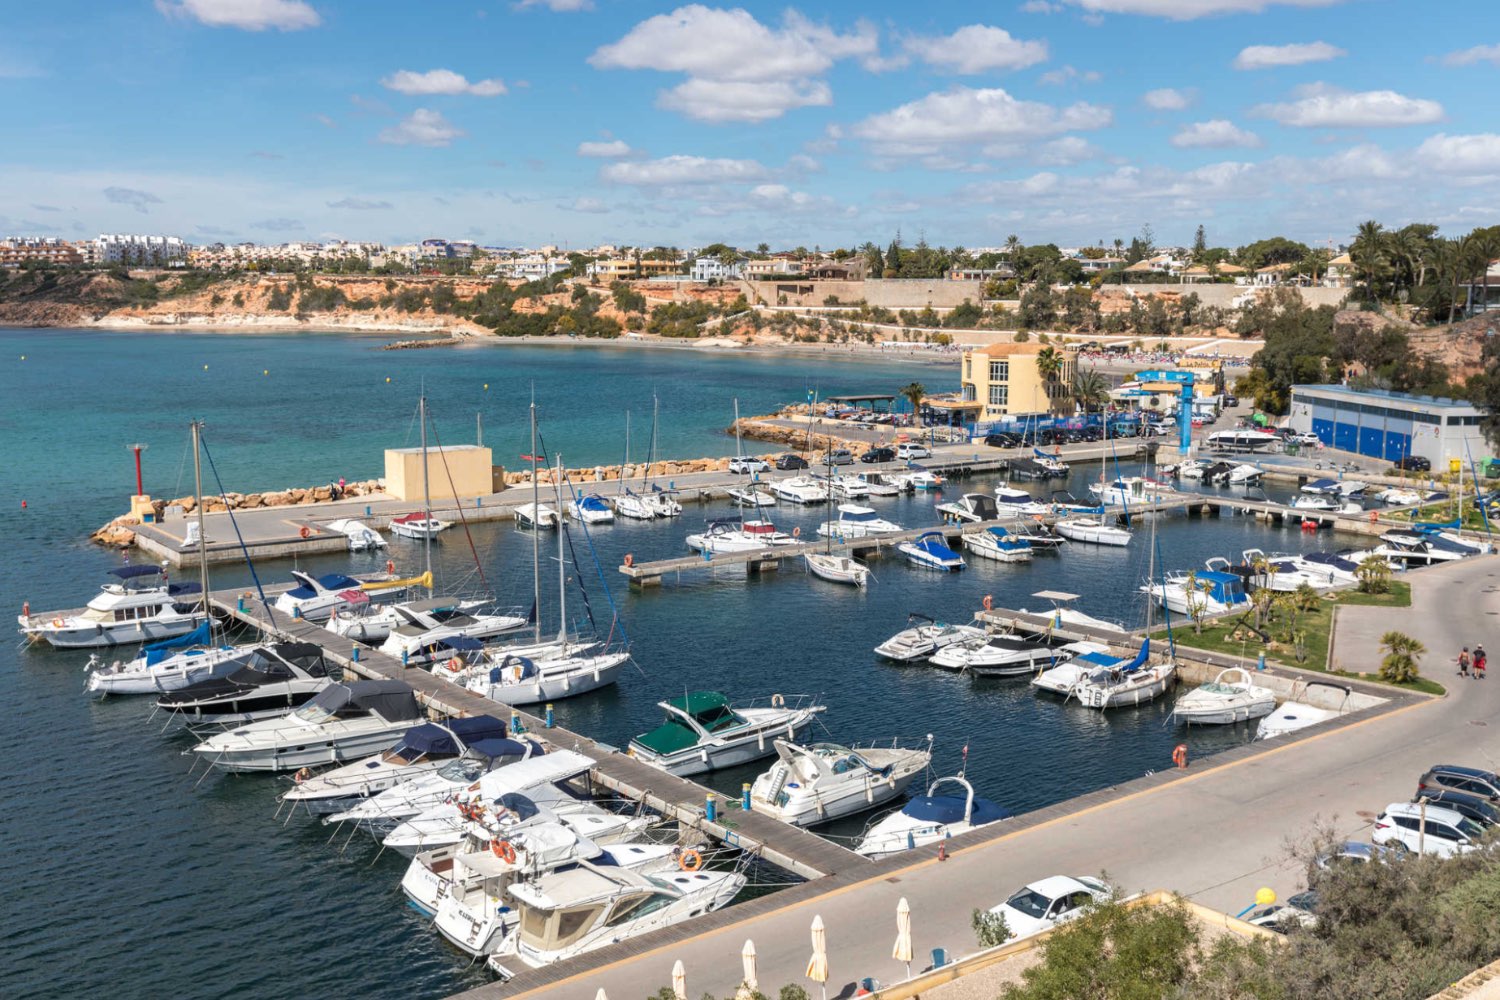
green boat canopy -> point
(708, 709)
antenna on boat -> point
(202, 530)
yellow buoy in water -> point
(486, 385)
(266, 371)
(387, 378)
(205, 367)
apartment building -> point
(1006, 380)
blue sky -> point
(579, 121)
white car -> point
(910, 449)
(1444, 832)
(1048, 902)
(1307, 437)
(745, 464)
(1282, 917)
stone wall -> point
(892, 293)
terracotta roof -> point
(1140, 265)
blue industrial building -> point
(1389, 425)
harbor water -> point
(129, 875)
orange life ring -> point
(302, 775)
(1374, 517)
(690, 861)
(1180, 755)
(306, 532)
(629, 559)
(989, 602)
(454, 663)
(504, 851)
(390, 567)
(796, 532)
(57, 623)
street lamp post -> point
(138, 448)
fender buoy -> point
(390, 567)
(989, 602)
(778, 701)
(306, 532)
(504, 851)
(302, 775)
(57, 623)
(629, 559)
(690, 861)
(455, 664)
(796, 532)
(1179, 755)
(1374, 517)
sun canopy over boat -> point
(493, 748)
(708, 709)
(949, 809)
(559, 765)
(135, 572)
(461, 643)
(393, 701)
(449, 739)
(330, 581)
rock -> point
(251, 501)
(320, 493)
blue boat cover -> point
(1107, 660)
(337, 581)
(528, 668)
(158, 651)
(593, 502)
(131, 572)
(476, 727)
(462, 643)
(950, 809)
(505, 748)
(178, 589)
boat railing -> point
(792, 702)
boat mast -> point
(426, 492)
(627, 454)
(739, 451)
(562, 566)
(198, 501)
(536, 544)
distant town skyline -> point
(577, 122)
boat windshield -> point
(464, 770)
(312, 713)
(1033, 904)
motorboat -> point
(1415, 548)
(1001, 656)
(854, 521)
(662, 502)
(1320, 487)
(971, 508)
(1243, 439)
(427, 769)
(591, 509)
(1094, 530)
(568, 913)
(999, 544)
(316, 597)
(821, 782)
(837, 569)
(424, 624)
(922, 637)
(139, 605)
(1246, 475)
(1230, 697)
(750, 496)
(924, 479)
(927, 819)
(1062, 678)
(1192, 468)
(799, 489)
(1062, 502)
(418, 525)
(169, 665)
(1124, 682)
(736, 535)
(1289, 717)
(704, 732)
(930, 550)
(373, 623)
(1399, 496)
(1026, 470)
(343, 722)
(273, 680)
(421, 751)
(884, 484)
(1061, 615)
(1018, 503)
(1325, 504)
(1217, 474)
(537, 515)
(848, 487)
(632, 505)
(362, 537)
(571, 669)
(1342, 566)
(1447, 533)
(1198, 594)
(1286, 573)
(1123, 491)
(1040, 537)
(1052, 464)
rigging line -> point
(593, 554)
(182, 465)
(234, 523)
(458, 504)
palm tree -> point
(1402, 660)
(1369, 251)
(1090, 389)
(1049, 365)
(915, 392)
(1012, 246)
(1196, 605)
(1374, 575)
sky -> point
(574, 122)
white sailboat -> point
(420, 525)
(628, 503)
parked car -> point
(1307, 437)
(747, 464)
(1231, 401)
(791, 461)
(911, 449)
(1001, 440)
(1470, 780)
(1349, 852)
(1480, 810)
(1048, 902)
(1441, 831)
(879, 454)
(840, 456)
(1414, 463)
(1093, 434)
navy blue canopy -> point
(178, 589)
(451, 738)
(518, 805)
(950, 809)
(462, 643)
(528, 668)
(131, 572)
(477, 727)
(505, 748)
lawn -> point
(1234, 640)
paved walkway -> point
(1214, 836)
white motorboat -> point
(884, 484)
(1320, 487)
(750, 496)
(799, 489)
(169, 665)
(922, 637)
(1289, 717)
(274, 680)
(821, 782)
(591, 509)
(930, 550)
(1200, 594)
(998, 544)
(1125, 491)
(140, 605)
(848, 487)
(1243, 439)
(373, 623)
(571, 669)
(1286, 573)
(536, 515)
(426, 624)
(970, 508)
(1011, 502)
(1094, 530)
(1053, 465)
(1001, 656)
(837, 569)
(361, 536)
(421, 750)
(704, 732)
(735, 535)
(1040, 537)
(634, 506)
(1246, 475)
(854, 521)
(662, 502)
(1412, 548)
(1230, 697)
(924, 479)
(1122, 682)
(1061, 615)
(344, 721)
(1399, 496)
(315, 598)
(929, 818)
(1192, 468)
(418, 525)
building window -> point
(968, 392)
(999, 371)
(999, 394)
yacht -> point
(632, 505)
(970, 508)
(923, 479)
(837, 569)
(848, 487)
(750, 496)
(536, 515)
(703, 732)
(998, 544)
(1092, 529)
(1018, 503)
(1000, 656)
(922, 637)
(374, 623)
(799, 489)
(418, 525)
(1413, 548)
(591, 509)
(1230, 697)
(735, 535)
(362, 537)
(929, 818)
(272, 681)
(1243, 439)
(1122, 683)
(1212, 592)
(930, 550)
(342, 722)
(139, 605)
(169, 665)
(884, 484)
(821, 782)
(571, 668)
(855, 521)
(427, 623)
(315, 598)
(1285, 573)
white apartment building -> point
(123, 248)
(714, 269)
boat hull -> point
(580, 679)
(743, 750)
(81, 636)
(286, 757)
(813, 810)
(174, 677)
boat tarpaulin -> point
(158, 651)
(132, 572)
(393, 701)
(559, 765)
(950, 809)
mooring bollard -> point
(745, 796)
(479, 501)
(711, 808)
(297, 612)
(239, 604)
(515, 722)
(403, 659)
(367, 510)
(354, 653)
(549, 715)
(1260, 664)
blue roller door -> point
(1346, 437)
(1372, 442)
(1323, 429)
(1397, 446)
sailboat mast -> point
(198, 502)
(426, 491)
(536, 543)
(562, 566)
(739, 451)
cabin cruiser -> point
(1196, 595)
(315, 598)
(929, 818)
(272, 681)
(924, 479)
(373, 624)
(703, 732)
(884, 484)
(1325, 504)
(1122, 682)
(421, 750)
(1000, 656)
(922, 637)
(1026, 470)
(1192, 468)
(848, 487)
(1063, 502)
(1243, 439)
(1040, 537)
(1399, 496)
(971, 507)
(930, 550)
(342, 722)
(139, 606)
(418, 525)
(1126, 490)
(1245, 475)
(662, 502)
(855, 521)
(998, 544)
(591, 509)
(736, 535)
(837, 569)
(361, 536)
(169, 665)
(568, 913)
(1334, 487)
(749, 496)
(1053, 465)
(633, 505)
(570, 669)
(1284, 573)
(1229, 698)
(1422, 549)
(799, 489)
(1092, 529)
(1018, 503)
(537, 515)
(425, 624)
(821, 782)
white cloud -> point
(557, 6)
(1066, 151)
(684, 170)
(136, 199)
(1167, 99)
(588, 206)
(1468, 57)
(1269, 56)
(361, 204)
(440, 81)
(1188, 10)
(1041, 7)
(976, 48)
(1477, 154)
(1067, 74)
(611, 150)
(249, 15)
(743, 101)
(1322, 106)
(963, 114)
(423, 127)
(1215, 134)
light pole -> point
(140, 490)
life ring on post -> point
(690, 861)
(629, 560)
(796, 532)
(989, 602)
(306, 532)
(504, 850)
(1179, 755)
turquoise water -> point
(127, 876)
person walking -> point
(1480, 662)
(1463, 662)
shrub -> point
(280, 299)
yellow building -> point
(1004, 378)
(625, 268)
(467, 466)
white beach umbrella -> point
(902, 951)
(817, 965)
(679, 980)
(747, 956)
